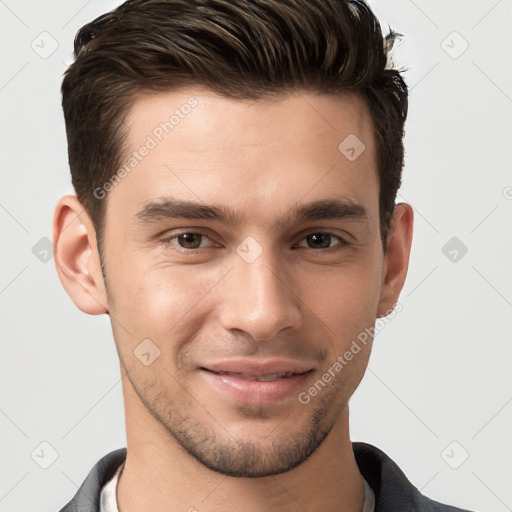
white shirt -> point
(108, 500)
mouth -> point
(263, 383)
(259, 378)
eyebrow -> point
(170, 208)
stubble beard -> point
(210, 443)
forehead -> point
(198, 145)
(199, 112)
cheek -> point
(159, 302)
(346, 298)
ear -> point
(396, 260)
(76, 256)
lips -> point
(251, 369)
(257, 382)
(259, 378)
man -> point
(236, 168)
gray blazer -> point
(393, 492)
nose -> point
(260, 298)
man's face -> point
(247, 312)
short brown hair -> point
(246, 49)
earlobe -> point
(76, 256)
(396, 261)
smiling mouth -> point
(263, 384)
(259, 378)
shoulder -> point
(393, 491)
(87, 498)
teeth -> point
(262, 378)
(274, 376)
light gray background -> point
(440, 371)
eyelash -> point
(335, 248)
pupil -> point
(323, 239)
(188, 240)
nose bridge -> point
(261, 301)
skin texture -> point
(190, 444)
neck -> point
(159, 475)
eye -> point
(188, 240)
(191, 240)
(322, 240)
